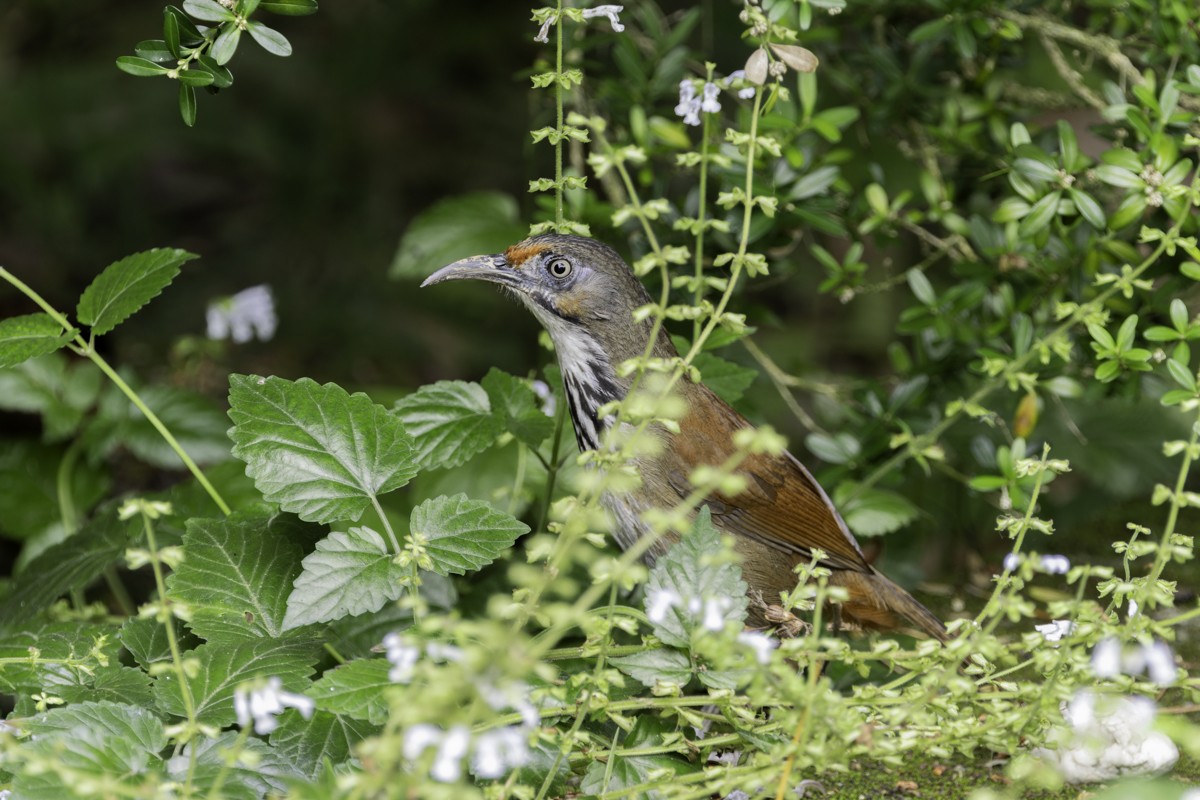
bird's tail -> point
(875, 601)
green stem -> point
(701, 217)
(1163, 555)
(230, 758)
(558, 109)
(62, 486)
(553, 466)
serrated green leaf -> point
(71, 564)
(112, 682)
(350, 572)
(693, 572)
(355, 690)
(270, 39)
(315, 450)
(121, 721)
(451, 421)
(289, 8)
(727, 379)
(454, 228)
(54, 641)
(126, 285)
(517, 407)
(463, 535)
(652, 667)
(260, 772)
(222, 667)
(146, 640)
(307, 743)
(29, 336)
(236, 578)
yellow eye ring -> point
(559, 267)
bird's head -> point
(575, 287)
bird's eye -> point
(559, 267)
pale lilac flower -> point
(659, 602)
(606, 11)
(1056, 565)
(710, 104)
(1011, 562)
(447, 765)
(498, 751)
(689, 104)
(403, 657)
(761, 644)
(420, 737)
(443, 652)
(544, 394)
(246, 315)
(261, 704)
(514, 696)
(739, 74)
(1056, 630)
(543, 34)
(1106, 658)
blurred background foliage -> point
(307, 172)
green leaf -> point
(269, 39)
(195, 77)
(1088, 208)
(1130, 210)
(112, 682)
(140, 67)
(451, 421)
(349, 573)
(208, 11)
(29, 336)
(840, 448)
(55, 641)
(155, 50)
(814, 183)
(61, 391)
(874, 512)
(457, 227)
(1040, 215)
(517, 407)
(1182, 375)
(260, 771)
(127, 285)
(307, 744)
(66, 566)
(99, 744)
(355, 690)
(222, 77)
(695, 571)
(187, 104)
(1127, 332)
(463, 535)
(146, 640)
(922, 289)
(1123, 158)
(226, 44)
(877, 199)
(1118, 176)
(29, 473)
(171, 33)
(728, 380)
(629, 772)
(1179, 314)
(236, 578)
(1035, 170)
(196, 422)
(290, 8)
(652, 667)
(1068, 147)
(317, 451)
(222, 667)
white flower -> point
(1011, 562)
(447, 765)
(606, 11)
(1106, 658)
(418, 738)
(710, 104)
(403, 657)
(1056, 565)
(498, 751)
(1133, 609)
(659, 602)
(1108, 737)
(443, 652)
(543, 34)
(1160, 663)
(262, 703)
(736, 75)
(689, 104)
(247, 315)
(1191, 794)
(761, 644)
(514, 696)
(1056, 630)
(714, 613)
(544, 394)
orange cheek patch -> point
(569, 306)
(518, 254)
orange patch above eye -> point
(518, 254)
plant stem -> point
(553, 466)
(558, 109)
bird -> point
(585, 295)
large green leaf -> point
(316, 450)
(457, 227)
(517, 407)
(61, 391)
(260, 772)
(236, 578)
(307, 743)
(452, 421)
(221, 667)
(29, 503)
(873, 512)
(70, 564)
(29, 336)
(127, 285)
(694, 573)
(631, 771)
(652, 667)
(462, 535)
(101, 743)
(55, 642)
(146, 640)
(350, 572)
(355, 689)
(728, 380)
(111, 682)
(197, 424)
